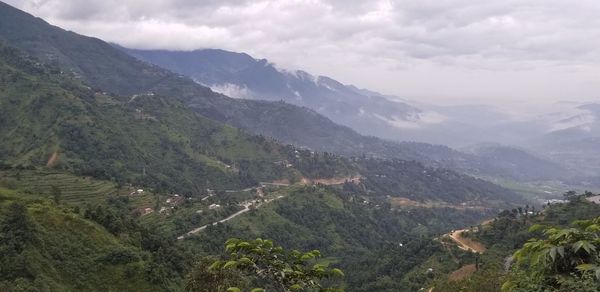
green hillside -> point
(52, 120)
(73, 189)
(72, 150)
(510, 231)
(351, 234)
(45, 247)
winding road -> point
(238, 213)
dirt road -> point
(466, 243)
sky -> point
(513, 52)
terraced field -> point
(74, 189)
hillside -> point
(519, 164)
(508, 232)
(52, 120)
(350, 233)
(107, 69)
(239, 75)
(45, 247)
(111, 70)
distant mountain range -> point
(148, 108)
(239, 75)
(105, 68)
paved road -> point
(238, 213)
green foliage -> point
(410, 179)
(506, 234)
(270, 264)
(352, 234)
(204, 277)
(52, 120)
(562, 256)
(47, 248)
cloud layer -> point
(436, 50)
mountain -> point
(54, 120)
(572, 136)
(519, 163)
(109, 70)
(51, 248)
(97, 184)
(562, 136)
(239, 75)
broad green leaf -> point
(245, 261)
(536, 227)
(586, 267)
(229, 264)
(337, 272)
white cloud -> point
(422, 49)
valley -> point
(204, 170)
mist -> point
(444, 52)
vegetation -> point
(54, 121)
(546, 263)
(70, 154)
(565, 259)
(409, 179)
(393, 243)
(49, 247)
(261, 262)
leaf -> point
(536, 227)
(586, 245)
(561, 251)
(553, 254)
(231, 240)
(337, 272)
(257, 290)
(230, 247)
(586, 267)
(296, 287)
(245, 261)
(215, 265)
(234, 289)
(229, 264)
(244, 245)
(577, 246)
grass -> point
(74, 189)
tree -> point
(570, 195)
(203, 278)
(272, 266)
(560, 260)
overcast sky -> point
(430, 50)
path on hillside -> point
(466, 243)
(246, 205)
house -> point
(555, 201)
(136, 192)
(163, 210)
(175, 200)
